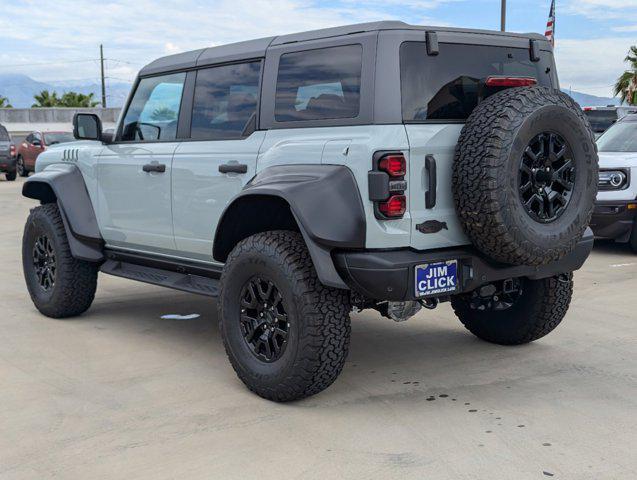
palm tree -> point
(77, 100)
(4, 102)
(45, 99)
(626, 86)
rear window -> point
(450, 85)
(319, 84)
(4, 135)
(601, 120)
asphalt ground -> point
(122, 393)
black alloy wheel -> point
(264, 321)
(496, 296)
(547, 176)
(44, 262)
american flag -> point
(550, 25)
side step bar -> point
(164, 278)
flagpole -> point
(503, 15)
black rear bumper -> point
(614, 220)
(389, 274)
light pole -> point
(503, 16)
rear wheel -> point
(515, 311)
(10, 176)
(286, 334)
(21, 169)
(60, 285)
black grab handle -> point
(233, 168)
(154, 167)
(430, 194)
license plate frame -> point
(436, 278)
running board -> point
(164, 278)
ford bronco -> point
(300, 177)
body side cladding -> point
(324, 202)
(64, 184)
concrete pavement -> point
(121, 393)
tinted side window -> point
(225, 102)
(154, 110)
(601, 119)
(448, 86)
(319, 84)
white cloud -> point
(602, 9)
(591, 66)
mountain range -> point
(20, 89)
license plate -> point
(436, 278)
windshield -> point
(621, 137)
(601, 119)
(53, 138)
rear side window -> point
(601, 120)
(450, 85)
(154, 110)
(319, 84)
(4, 135)
(225, 102)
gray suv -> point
(7, 155)
(300, 177)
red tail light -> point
(12, 150)
(394, 165)
(394, 207)
(510, 82)
(588, 109)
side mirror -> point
(36, 143)
(87, 126)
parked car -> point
(601, 118)
(34, 144)
(7, 154)
(296, 178)
(615, 214)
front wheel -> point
(60, 285)
(286, 334)
(10, 176)
(633, 237)
(515, 311)
(22, 170)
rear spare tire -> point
(525, 176)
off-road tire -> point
(537, 312)
(10, 176)
(319, 331)
(75, 280)
(633, 237)
(21, 167)
(487, 165)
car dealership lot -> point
(122, 393)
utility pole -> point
(103, 83)
(503, 16)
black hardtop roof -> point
(257, 48)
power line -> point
(61, 62)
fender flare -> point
(64, 185)
(326, 204)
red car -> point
(33, 145)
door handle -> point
(233, 168)
(430, 194)
(154, 167)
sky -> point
(59, 41)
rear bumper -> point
(389, 274)
(7, 164)
(613, 219)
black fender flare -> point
(326, 204)
(64, 184)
